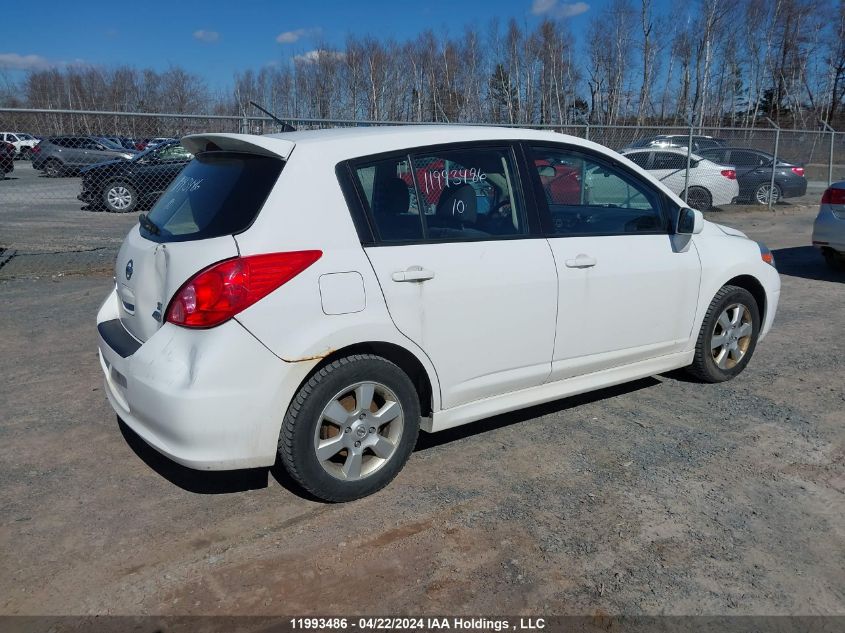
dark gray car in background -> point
(754, 173)
(65, 155)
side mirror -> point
(689, 221)
(546, 171)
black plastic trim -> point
(116, 337)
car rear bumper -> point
(829, 230)
(794, 188)
(207, 399)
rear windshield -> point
(218, 193)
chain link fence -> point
(62, 167)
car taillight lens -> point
(36, 149)
(833, 195)
(216, 294)
(730, 174)
(798, 171)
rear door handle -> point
(413, 273)
(581, 261)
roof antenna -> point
(286, 127)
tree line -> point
(711, 62)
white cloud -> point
(289, 37)
(562, 10)
(14, 61)
(209, 37)
(316, 55)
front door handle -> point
(413, 273)
(581, 261)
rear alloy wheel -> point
(120, 197)
(53, 168)
(728, 335)
(764, 191)
(351, 428)
(699, 198)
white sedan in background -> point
(710, 184)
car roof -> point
(399, 136)
(351, 142)
(671, 150)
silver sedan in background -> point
(829, 228)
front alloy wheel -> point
(731, 336)
(728, 335)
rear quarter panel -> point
(307, 211)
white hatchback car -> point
(710, 184)
(321, 296)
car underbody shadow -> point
(206, 482)
(805, 262)
(431, 440)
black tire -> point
(297, 440)
(699, 198)
(760, 194)
(835, 261)
(53, 168)
(704, 365)
(116, 191)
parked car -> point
(22, 142)
(123, 141)
(829, 227)
(710, 184)
(7, 158)
(61, 155)
(290, 295)
(754, 173)
(677, 140)
(147, 143)
(120, 186)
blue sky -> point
(214, 38)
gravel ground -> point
(663, 496)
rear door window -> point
(218, 193)
(669, 160)
(442, 195)
(747, 159)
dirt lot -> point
(662, 496)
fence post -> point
(689, 162)
(830, 158)
(587, 132)
(774, 162)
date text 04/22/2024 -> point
(410, 623)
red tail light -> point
(36, 149)
(834, 196)
(216, 294)
(730, 174)
(798, 171)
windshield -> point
(110, 144)
(218, 193)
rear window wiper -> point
(148, 224)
